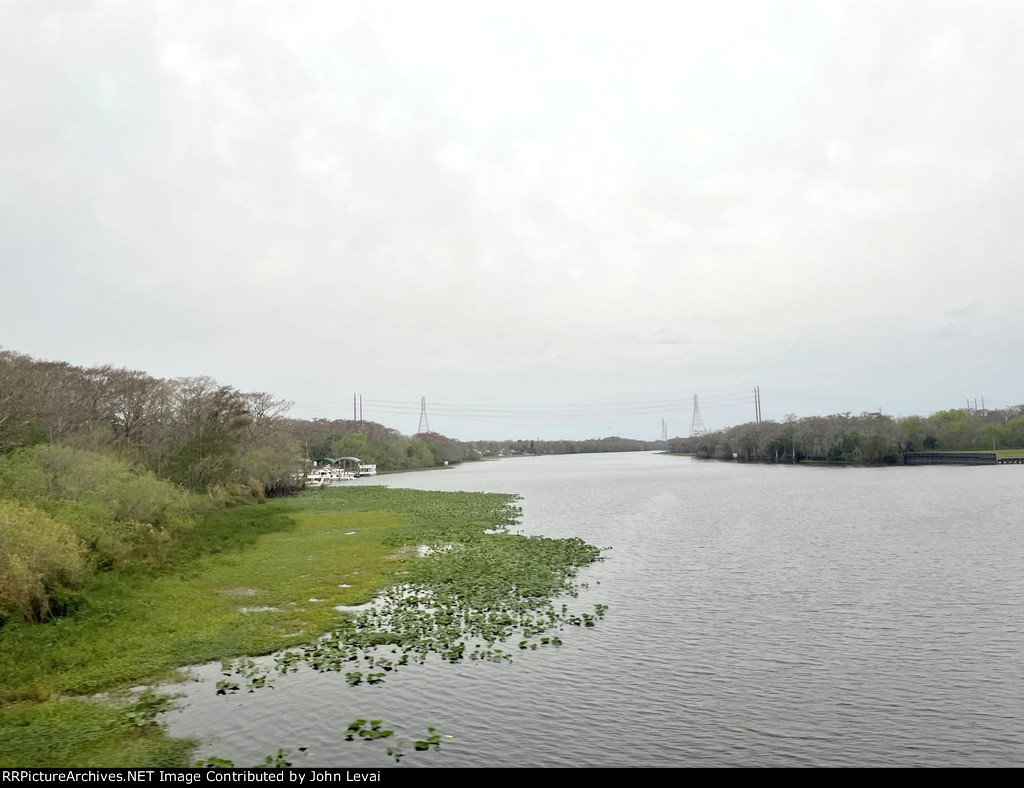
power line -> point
(623, 412)
(612, 412)
(539, 412)
(536, 411)
(629, 404)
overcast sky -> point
(550, 219)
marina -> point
(332, 471)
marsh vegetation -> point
(261, 579)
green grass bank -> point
(247, 581)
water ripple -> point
(758, 616)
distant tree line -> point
(592, 445)
(390, 450)
(190, 430)
(864, 438)
(203, 435)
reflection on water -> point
(758, 615)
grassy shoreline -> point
(255, 580)
(244, 590)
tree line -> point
(592, 445)
(201, 434)
(863, 438)
(190, 430)
(104, 467)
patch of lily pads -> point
(371, 731)
(478, 588)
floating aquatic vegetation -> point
(214, 763)
(477, 587)
(225, 687)
(373, 731)
(432, 741)
(276, 760)
(365, 731)
(146, 706)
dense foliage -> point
(191, 431)
(68, 512)
(40, 558)
(869, 437)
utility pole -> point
(757, 404)
(353, 407)
(424, 424)
(360, 407)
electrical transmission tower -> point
(424, 424)
(697, 426)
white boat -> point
(331, 471)
(352, 466)
(327, 476)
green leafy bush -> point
(40, 559)
(119, 513)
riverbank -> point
(254, 580)
(417, 470)
(972, 458)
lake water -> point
(758, 615)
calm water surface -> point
(759, 615)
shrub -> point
(219, 496)
(120, 514)
(40, 558)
